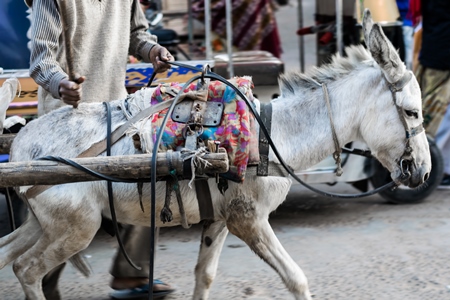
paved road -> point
(359, 249)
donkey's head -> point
(395, 133)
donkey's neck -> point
(301, 127)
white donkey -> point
(66, 217)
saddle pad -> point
(235, 133)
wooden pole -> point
(130, 167)
(65, 12)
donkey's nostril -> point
(426, 176)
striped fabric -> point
(102, 34)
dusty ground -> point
(349, 249)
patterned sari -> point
(254, 25)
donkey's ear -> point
(367, 25)
(385, 55)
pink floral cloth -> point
(235, 132)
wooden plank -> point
(130, 167)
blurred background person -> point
(433, 73)
(254, 24)
(408, 31)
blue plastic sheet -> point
(4, 158)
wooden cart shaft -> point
(129, 167)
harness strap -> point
(172, 184)
(406, 159)
(110, 190)
(204, 200)
(193, 127)
(184, 221)
(273, 169)
(264, 147)
(99, 147)
(409, 132)
(337, 147)
(401, 83)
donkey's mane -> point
(338, 67)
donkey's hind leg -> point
(213, 237)
(20, 240)
(66, 232)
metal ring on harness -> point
(404, 167)
(191, 131)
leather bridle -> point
(406, 159)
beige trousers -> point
(435, 86)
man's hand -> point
(71, 91)
(158, 56)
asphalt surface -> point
(359, 249)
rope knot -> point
(196, 160)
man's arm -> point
(45, 32)
(144, 45)
(141, 41)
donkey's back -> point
(64, 132)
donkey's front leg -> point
(247, 222)
(213, 237)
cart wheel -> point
(405, 195)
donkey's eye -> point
(412, 113)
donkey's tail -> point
(81, 264)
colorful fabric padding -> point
(235, 132)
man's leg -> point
(435, 86)
(136, 240)
(443, 142)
